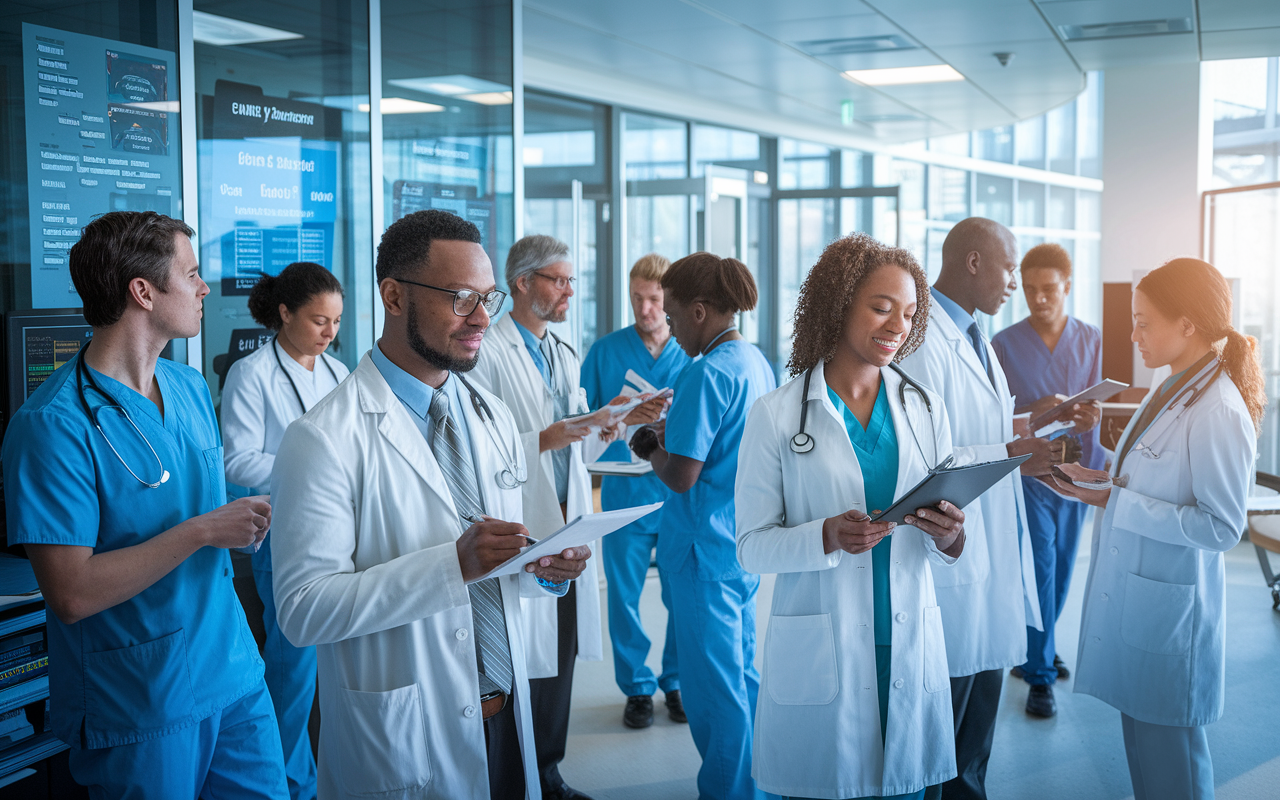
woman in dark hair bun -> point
(265, 391)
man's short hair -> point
(1049, 255)
(650, 268)
(406, 246)
(531, 254)
(114, 249)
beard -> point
(433, 357)
(548, 313)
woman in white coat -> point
(265, 391)
(1152, 636)
(855, 699)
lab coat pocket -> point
(132, 692)
(936, 676)
(800, 661)
(216, 476)
(386, 741)
(1157, 616)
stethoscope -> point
(512, 475)
(82, 373)
(275, 349)
(1190, 395)
(802, 442)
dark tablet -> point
(958, 485)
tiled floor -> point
(1078, 755)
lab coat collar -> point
(1200, 382)
(941, 323)
(508, 335)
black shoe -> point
(639, 713)
(563, 792)
(1040, 702)
(1017, 673)
(675, 707)
(1063, 672)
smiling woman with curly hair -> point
(842, 620)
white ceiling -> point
(739, 60)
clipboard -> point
(1099, 391)
(957, 485)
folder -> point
(957, 485)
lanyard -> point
(275, 349)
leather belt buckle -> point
(492, 703)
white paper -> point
(608, 415)
(632, 377)
(583, 530)
(625, 468)
(1053, 427)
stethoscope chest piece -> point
(164, 476)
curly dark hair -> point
(294, 287)
(832, 286)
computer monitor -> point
(37, 343)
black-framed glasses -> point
(560, 282)
(465, 301)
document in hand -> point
(631, 469)
(607, 415)
(583, 530)
(957, 485)
(1099, 392)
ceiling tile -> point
(1230, 15)
(1255, 43)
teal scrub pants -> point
(627, 555)
(232, 755)
(716, 637)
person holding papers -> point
(536, 374)
(853, 606)
(1047, 357)
(1152, 632)
(989, 597)
(695, 453)
(647, 350)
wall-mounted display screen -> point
(39, 342)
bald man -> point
(988, 598)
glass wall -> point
(1246, 134)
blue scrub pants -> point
(1055, 532)
(233, 754)
(716, 634)
(291, 680)
(627, 555)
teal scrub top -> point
(705, 422)
(180, 650)
(876, 447)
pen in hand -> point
(476, 519)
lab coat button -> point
(899, 683)
(901, 616)
(1106, 596)
(1115, 550)
(469, 711)
(460, 633)
(1097, 639)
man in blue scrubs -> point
(1048, 357)
(647, 348)
(155, 680)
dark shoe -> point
(1063, 672)
(1017, 673)
(639, 713)
(564, 792)
(675, 708)
(1040, 702)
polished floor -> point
(1078, 755)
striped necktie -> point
(493, 651)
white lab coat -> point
(366, 569)
(507, 370)
(817, 731)
(1152, 633)
(258, 404)
(989, 598)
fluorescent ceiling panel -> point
(898, 76)
(401, 105)
(449, 85)
(488, 98)
(223, 31)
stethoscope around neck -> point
(275, 349)
(85, 375)
(803, 442)
(512, 475)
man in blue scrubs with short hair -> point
(113, 472)
(647, 348)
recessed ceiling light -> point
(222, 31)
(896, 76)
(855, 45)
(488, 98)
(1120, 30)
(449, 85)
(402, 105)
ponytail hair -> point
(725, 284)
(1194, 289)
(294, 287)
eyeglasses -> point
(561, 283)
(465, 301)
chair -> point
(1264, 533)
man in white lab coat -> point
(536, 374)
(988, 598)
(393, 495)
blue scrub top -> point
(876, 447)
(180, 650)
(603, 374)
(708, 413)
(1033, 372)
